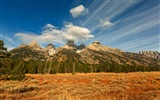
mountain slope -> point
(94, 53)
(27, 52)
(66, 55)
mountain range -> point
(94, 53)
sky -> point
(130, 25)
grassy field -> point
(91, 86)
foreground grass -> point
(91, 86)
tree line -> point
(42, 67)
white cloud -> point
(58, 36)
(76, 33)
(78, 11)
(49, 26)
(105, 23)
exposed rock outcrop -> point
(152, 54)
(49, 49)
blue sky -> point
(130, 25)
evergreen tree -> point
(73, 70)
(7, 66)
(50, 68)
(45, 67)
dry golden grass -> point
(91, 86)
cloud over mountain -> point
(78, 11)
(52, 34)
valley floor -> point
(90, 86)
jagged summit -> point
(82, 46)
(96, 42)
(34, 44)
(70, 45)
(50, 46)
(49, 49)
(96, 46)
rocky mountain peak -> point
(50, 46)
(35, 45)
(70, 45)
(96, 46)
(49, 49)
(96, 42)
(80, 47)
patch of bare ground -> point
(91, 86)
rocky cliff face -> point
(152, 54)
(95, 53)
(49, 49)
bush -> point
(17, 89)
(13, 77)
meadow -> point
(81, 86)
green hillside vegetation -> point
(42, 67)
